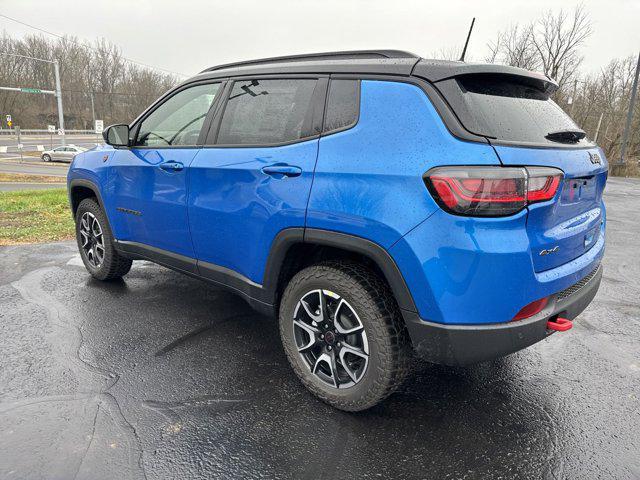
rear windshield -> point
(507, 109)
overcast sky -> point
(189, 35)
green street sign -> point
(31, 90)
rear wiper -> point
(566, 136)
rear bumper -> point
(468, 344)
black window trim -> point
(134, 128)
(357, 119)
(316, 111)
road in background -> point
(163, 376)
(31, 142)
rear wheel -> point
(95, 243)
(343, 335)
(46, 157)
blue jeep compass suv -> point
(376, 202)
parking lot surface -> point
(162, 376)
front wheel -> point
(95, 243)
(46, 158)
(343, 335)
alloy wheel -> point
(330, 338)
(92, 239)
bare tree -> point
(551, 44)
(447, 53)
(120, 90)
(558, 38)
(515, 47)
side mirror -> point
(117, 135)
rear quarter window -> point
(507, 108)
(342, 105)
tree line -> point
(120, 89)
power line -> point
(88, 46)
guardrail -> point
(35, 131)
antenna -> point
(464, 50)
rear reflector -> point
(491, 191)
(531, 309)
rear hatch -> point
(527, 128)
(568, 226)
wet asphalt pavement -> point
(162, 376)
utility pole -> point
(93, 114)
(59, 97)
(632, 103)
(595, 137)
(573, 98)
(93, 108)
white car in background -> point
(63, 153)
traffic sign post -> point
(51, 129)
(99, 128)
(19, 142)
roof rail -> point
(345, 55)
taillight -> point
(491, 191)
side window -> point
(263, 112)
(342, 106)
(179, 119)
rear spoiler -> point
(439, 70)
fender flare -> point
(351, 243)
(81, 182)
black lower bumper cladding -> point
(469, 344)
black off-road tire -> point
(114, 265)
(390, 349)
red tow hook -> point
(560, 324)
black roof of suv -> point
(372, 62)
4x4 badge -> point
(595, 158)
(549, 250)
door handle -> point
(285, 170)
(171, 166)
